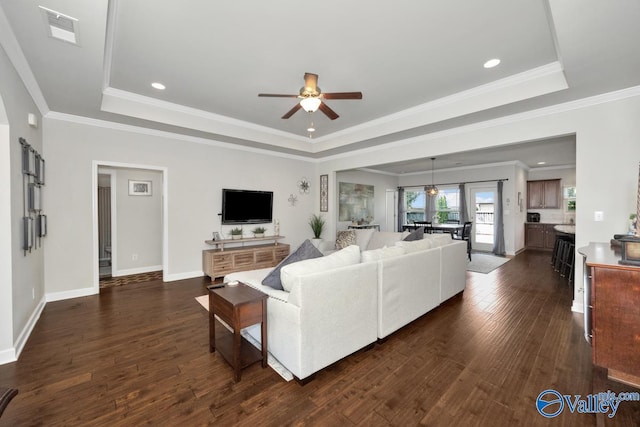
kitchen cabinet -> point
(539, 236)
(544, 194)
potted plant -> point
(316, 222)
(236, 233)
(259, 231)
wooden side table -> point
(238, 306)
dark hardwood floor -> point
(138, 354)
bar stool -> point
(568, 262)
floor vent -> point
(60, 26)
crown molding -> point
(148, 108)
(535, 82)
(53, 115)
(16, 56)
(501, 121)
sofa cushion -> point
(305, 251)
(438, 240)
(415, 245)
(363, 237)
(382, 253)
(345, 238)
(380, 239)
(416, 234)
(347, 256)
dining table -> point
(446, 227)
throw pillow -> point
(345, 238)
(378, 254)
(416, 234)
(305, 251)
(363, 236)
(347, 256)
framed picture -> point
(39, 169)
(42, 225)
(216, 236)
(34, 200)
(324, 193)
(139, 188)
(27, 233)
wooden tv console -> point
(221, 261)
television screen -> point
(246, 206)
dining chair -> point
(465, 235)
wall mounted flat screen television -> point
(246, 206)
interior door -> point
(481, 212)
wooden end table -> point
(238, 306)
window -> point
(447, 204)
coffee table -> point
(238, 306)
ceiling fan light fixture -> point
(310, 104)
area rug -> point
(485, 263)
(271, 361)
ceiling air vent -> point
(60, 26)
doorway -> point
(482, 209)
(138, 243)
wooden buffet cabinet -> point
(612, 312)
(223, 260)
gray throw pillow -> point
(417, 234)
(305, 251)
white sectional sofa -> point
(337, 304)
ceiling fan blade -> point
(277, 95)
(328, 111)
(342, 95)
(311, 81)
(292, 111)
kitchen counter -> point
(566, 229)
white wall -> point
(21, 276)
(196, 174)
(139, 223)
(381, 184)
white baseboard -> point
(28, 328)
(182, 276)
(8, 356)
(76, 293)
(139, 270)
(577, 307)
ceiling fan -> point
(311, 98)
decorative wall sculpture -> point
(34, 221)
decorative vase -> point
(236, 236)
(258, 235)
(316, 243)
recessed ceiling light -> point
(311, 129)
(158, 86)
(542, 163)
(491, 63)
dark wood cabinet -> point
(612, 313)
(539, 236)
(544, 194)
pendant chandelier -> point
(432, 190)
